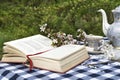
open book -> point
(36, 51)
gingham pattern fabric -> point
(108, 71)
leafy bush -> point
(21, 18)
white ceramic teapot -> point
(112, 31)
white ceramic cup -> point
(93, 41)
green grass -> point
(22, 18)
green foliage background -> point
(21, 18)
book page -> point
(13, 51)
(13, 59)
(61, 52)
(31, 45)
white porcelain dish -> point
(91, 50)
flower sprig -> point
(61, 38)
(80, 35)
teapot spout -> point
(105, 24)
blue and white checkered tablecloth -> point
(108, 71)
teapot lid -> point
(117, 9)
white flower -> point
(79, 30)
(78, 36)
(64, 34)
(55, 41)
(84, 33)
(43, 27)
(70, 37)
(65, 42)
(74, 41)
(45, 24)
(49, 35)
(61, 35)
